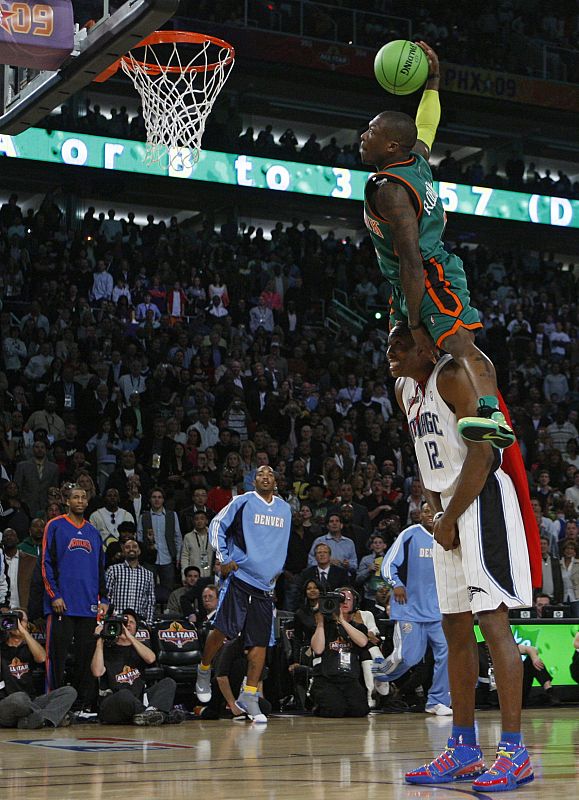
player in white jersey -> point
(481, 561)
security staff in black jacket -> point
(336, 644)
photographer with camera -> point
(337, 644)
(120, 660)
(19, 706)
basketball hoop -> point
(178, 75)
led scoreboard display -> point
(36, 35)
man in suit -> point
(34, 477)
(67, 392)
(552, 576)
(258, 398)
(187, 514)
(328, 575)
(119, 477)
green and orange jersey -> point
(443, 271)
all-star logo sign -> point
(177, 635)
(6, 13)
(18, 668)
(128, 675)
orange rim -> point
(168, 37)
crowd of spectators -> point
(500, 35)
(158, 366)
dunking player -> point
(250, 537)
(481, 560)
(406, 220)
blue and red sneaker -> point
(458, 762)
(512, 768)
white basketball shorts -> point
(491, 566)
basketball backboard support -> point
(25, 100)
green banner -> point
(58, 147)
(554, 643)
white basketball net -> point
(176, 104)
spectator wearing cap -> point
(343, 549)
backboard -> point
(27, 96)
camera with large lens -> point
(113, 627)
(8, 623)
(329, 603)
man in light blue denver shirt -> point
(250, 538)
(409, 570)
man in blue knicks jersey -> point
(250, 537)
(407, 568)
(481, 561)
(73, 570)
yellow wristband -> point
(428, 116)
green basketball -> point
(401, 67)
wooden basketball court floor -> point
(291, 757)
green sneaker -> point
(491, 426)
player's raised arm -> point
(428, 113)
